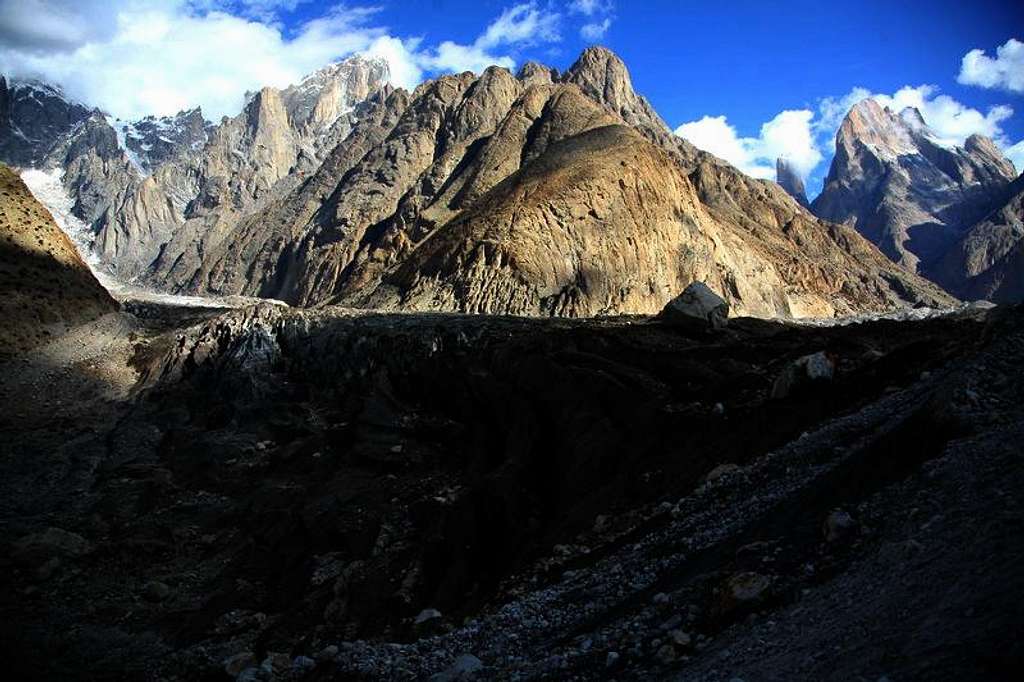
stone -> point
(40, 548)
(838, 525)
(303, 664)
(666, 654)
(427, 615)
(720, 471)
(465, 667)
(814, 368)
(156, 591)
(680, 638)
(611, 659)
(698, 308)
(234, 665)
(660, 598)
(748, 587)
(328, 653)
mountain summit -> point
(903, 188)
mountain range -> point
(536, 193)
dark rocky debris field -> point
(273, 494)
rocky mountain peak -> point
(34, 116)
(603, 76)
(790, 181)
(534, 72)
(878, 128)
(985, 150)
(323, 96)
(906, 190)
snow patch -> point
(48, 189)
(123, 129)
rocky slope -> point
(539, 194)
(988, 261)
(911, 196)
(45, 287)
(310, 495)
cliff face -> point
(542, 195)
(790, 181)
(911, 196)
(45, 287)
(988, 261)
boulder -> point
(809, 369)
(698, 308)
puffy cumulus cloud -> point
(1005, 71)
(787, 135)
(139, 57)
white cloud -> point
(402, 58)
(1015, 153)
(524, 24)
(594, 32)
(1006, 71)
(167, 56)
(596, 27)
(139, 57)
(787, 135)
(591, 7)
(519, 26)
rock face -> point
(45, 287)
(152, 141)
(790, 181)
(33, 117)
(988, 261)
(542, 194)
(906, 192)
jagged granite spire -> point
(790, 181)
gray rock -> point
(328, 653)
(611, 659)
(427, 615)
(156, 591)
(234, 665)
(465, 667)
(838, 525)
(666, 654)
(39, 548)
(817, 367)
(698, 307)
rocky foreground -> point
(274, 494)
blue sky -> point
(747, 80)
